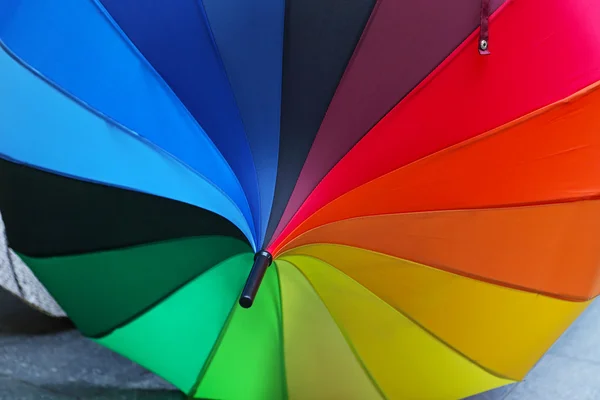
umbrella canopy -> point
(309, 199)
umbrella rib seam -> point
(457, 146)
(134, 135)
(344, 335)
(143, 311)
(163, 83)
(204, 16)
(213, 351)
(399, 311)
(281, 333)
(413, 92)
(290, 247)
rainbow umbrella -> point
(310, 199)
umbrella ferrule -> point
(262, 260)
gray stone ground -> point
(44, 358)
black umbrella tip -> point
(262, 260)
(246, 301)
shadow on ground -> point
(17, 319)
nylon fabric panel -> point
(75, 47)
(81, 142)
(170, 339)
(255, 336)
(403, 42)
(92, 217)
(548, 156)
(391, 345)
(320, 364)
(102, 291)
(485, 92)
(548, 249)
(175, 37)
(249, 36)
(504, 330)
(319, 40)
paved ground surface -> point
(43, 358)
